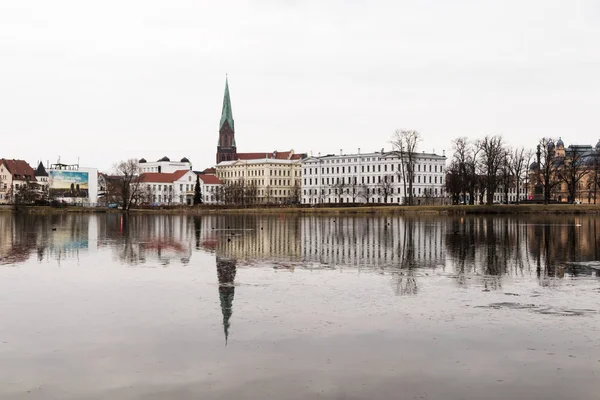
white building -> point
(273, 180)
(370, 178)
(73, 184)
(164, 165)
(176, 188)
(209, 187)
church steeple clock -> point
(226, 148)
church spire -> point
(226, 114)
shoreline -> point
(360, 210)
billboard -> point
(68, 183)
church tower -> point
(226, 149)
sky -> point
(101, 82)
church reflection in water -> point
(477, 250)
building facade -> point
(581, 163)
(164, 165)
(73, 184)
(260, 181)
(209, 187)
(17, 181)
(167, 188)
(371, 178)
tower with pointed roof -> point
(226, 148)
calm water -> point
(285, 307)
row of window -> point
(272, 172)
(368, 180)
(367, 168)
(367, 159)
(390, 200)
(373, 191)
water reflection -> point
(484, 247)
(226, 273)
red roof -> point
(178, 174)
(19, 167)
(156, 177)
(278, 155)
(163, 177)
(210, 180)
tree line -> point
(481, 168)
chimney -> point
(359, 150)
(444, 153)
(340, 152)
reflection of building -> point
(381, 241)
(370, 178)
(139, 237)
(226, 270)
(73, 184)
(252, 239)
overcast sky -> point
(111, 80)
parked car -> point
(113, 205)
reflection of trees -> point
(486, 246)
(406, 282)
(55, 236)
(226, 269)
(137, 237)
(541, 245)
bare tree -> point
(454, 182)
(506, 177)
(519, 164)
(405, 143)
(386, 187)
(354, 189)
(129, 182)
(366, 193)
(251, 193)
(466, 157)
(26, 193)
(547, 167)
(572, 170)
(296, 193)
(338, 188)
(492, 156)
(594, 180)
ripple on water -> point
(545, 310)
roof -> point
(278, 155)
(226, 113)
(163, 177)
(258, 161)
(41, 170)
(381, 156)
(210, 180)
(18, 167)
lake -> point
(104, 306)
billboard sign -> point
(68, 183)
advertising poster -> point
(68, 183)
